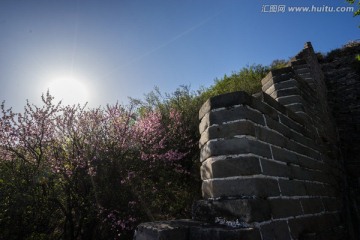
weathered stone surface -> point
(271, 137)
(278, 75)
(315, 226)
(227, 131)
(230, 114)
(331, 204)
(293, 125)
(244, 210)
(292, 188)
(229, 167)
(284, 155)
(266, 109)
(236, 113)
(165, 230)
(234, 146)
(272, 168)
(282, 208)
(224, 100)
(260, 187)
(286, 100)
(312, 205)
(282, 85)
(285, 92)
(275, 230)
(316, 189)
(224, 233)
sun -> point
(69, 90)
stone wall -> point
(342, 78)
(271, 164)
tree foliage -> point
(72, 173)
(248, 79)
(69, 172)
(357, 11)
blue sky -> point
(115, 49)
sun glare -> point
(69, 90)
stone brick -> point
(276, 126)
(271, 137)
(293, 125)
(227, 131)
(235, 113)
(292, 188)
(282, 85)
(261, 106)
(284, 155)
(234, 146)
(271, 168)
(238, 187)
(285, 92)
(229, 167)
(282, 208)
(224, 100)
(331, 204)
(297, 107)
(273, 103)
(278, 75)
(223, 233)
(315, 189)
(293, 146)
(285, 100)
(165, 230)
(204, 123)
(312, 205)
(312, 225)
(275, 230)
(244, 210)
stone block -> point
(331, 204)
(228, 130)
(278, 75)
(312, 225)
(309, 152)
(234, 146)
(293, 125)
(315, 189)
(271, 137)
(285, 92)
(204, 123)
(275, 230)
(224, 233)
(283, 208)
(272, 168)
(239, 187)
(230, 167)
(165, 230)
(236, 113)
(292, 188)
(263, 107)
(297, 107)
(230, 114)
(284, 155)
(224, 101)
(286, 100)
(282, 85)
(244, 210)
(312, 205)
(275, 125)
